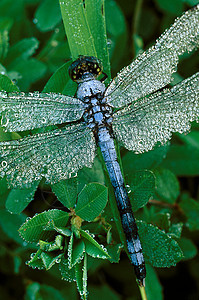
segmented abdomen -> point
(106, 144)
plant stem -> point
(136, 19)
(143, 292)
(165, 204)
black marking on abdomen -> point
(106, 144)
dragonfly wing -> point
(148, 121)
(153, 69)
(55, 155)
(24, 111)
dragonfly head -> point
(85, 68)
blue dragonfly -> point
(135, 109)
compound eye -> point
(85, 66)
(98, 70)
(74, 75)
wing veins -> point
(166, 92)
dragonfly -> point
(136, 109)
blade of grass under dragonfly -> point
(77, 28)
(95, 13)
(86, 30)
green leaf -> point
(33, 229)
(87, 175)
(175, 230)
(49, 292)
(85, 293)
(7, 136)
(70, 250)
(10, 223)
(182, 160)
(111, 211)
(77, 28)
(7, 85)
(142, 184)
(162, 221)
(2, 69)
(50, 259)
(138, 43)
(149, 160)
(191, 139)
(55, 52)
(188, 248)
(91, 201)
(159, 249)
(24, 66)
(11, 9)
(6, 23)
(116, 31)
(95, 14)
(35, 261)
(59, 239)
(114, 252)
(32, 291)
(78, 252)
(167, 185)
(191, 2)
(174, 7)
(153, 287)
(67, 274)
(3, 188)
(81, 278)
(66, 192)
(60, 82)
(36, 291)
(4, 44)
(47, 15)
(17, 264)
(18, 200)
(190, 208)
(105, 292)
(92, 247)
(21, 50)
(62, 230)
(57, 244)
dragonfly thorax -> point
(89, 89)
(97, 111)
(98, 115)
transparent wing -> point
(183, 35)
(21, 111)
(153, 69)
(55, 155)
(144, 123)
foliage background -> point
(32, 47)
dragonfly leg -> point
(104, 78)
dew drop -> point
(43, 120)
(4, 164)
(35, 21)
(4, 121)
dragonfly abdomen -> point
(106, 144)
(98, 117)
